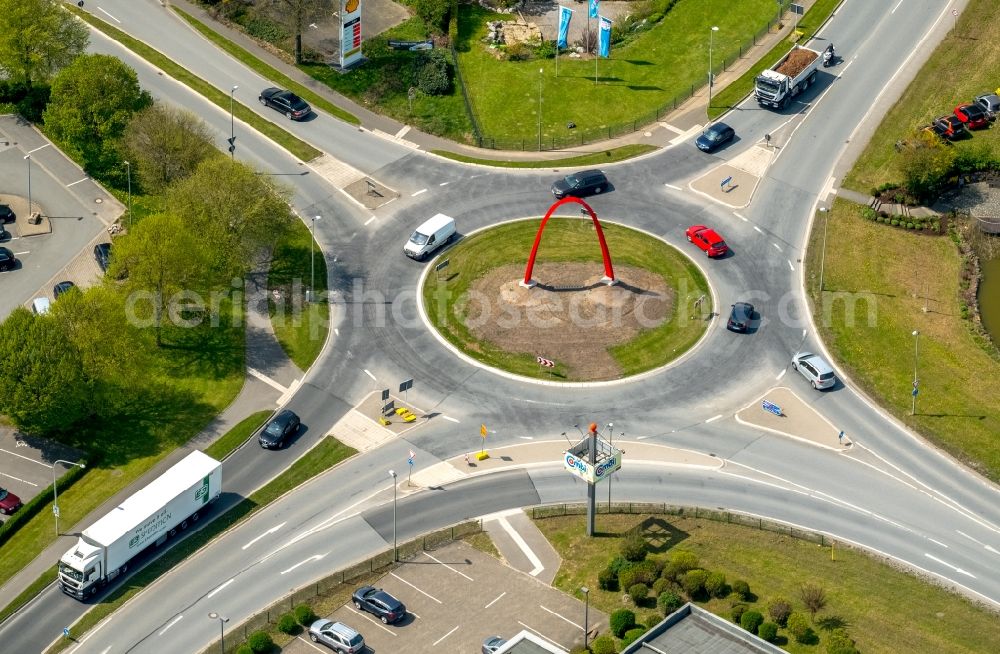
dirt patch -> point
(796, 62)
(570, 316)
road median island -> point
(789, 415)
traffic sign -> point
(771, 407)
(915, 383)
(482, 431)
(385, 394)
(55, 511)
(65, 632)
(914, 392)
(405, 385)
(409, 460)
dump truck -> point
(170, 503)
(794, 73)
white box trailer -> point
(168, 504)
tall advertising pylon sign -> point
(350, 32)
(593, 459)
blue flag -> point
(565, 14)
(594, 8)
(604, 38)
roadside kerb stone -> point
(799, 420)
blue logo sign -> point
(769, 406)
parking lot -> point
(26, 463)
(455, 597)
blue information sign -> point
(770, 406)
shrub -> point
(840, 643)
(618, 564)
(750, 620)
(434, 13)
(621, 621)
(909, 225)
(660, 586)
(768, 631)
(779, 609)
(603, 644)
(634, 546)
(798, 626)
(894, 222)
(668, 602)
(737, 612)
(607, 579)
(680, 562)
(638, 592)
(545, 49)
(287, 624)
(925, 169)
(260, 642)
(813, 597)
(265, 30)
(304, 615)
(742, 589)
(244, 649)
(519, 51)
(869, 213)
(433, 73)
(632, 635)
(694, 582)
(715, 584)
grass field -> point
(945, 81)
(592, 159)
(887, 273)
(885, 610)
(235, 436)
(477, 255)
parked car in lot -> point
(973, 115)
(492, 644)
(102, 254)
(740, 317)
(41, 305)
(715, 136)
(379, 603)
(6, 214)
(278, 430)
(949, 127)
(337, 636)
(707, 239)
(815, 369)
(582, 184)
(294, 107)
(61, 288)
(9, 502)
(7, 260)
(990, 102)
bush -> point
(603, 644)
(668, 602)
(304, 615)
(621, 621)
(244, 649)
(768, 631)
(519, 51)
(840, 643)
(265, 30)
(869, 213)
(638, 593)
(643, 572)
(737, 612)
(634, 546)
(750, 620)
(660, 586)
(894, 222)
(632, 635)
(618, 564)
(260, 642)
(798, 626)
(742, 589)
(715, 584)
(909, 225)
(607, 579)
(779, 609)
(433, 73)
(694, 582)
(680, 562)
(434, 13)
(545, 50)
(288, 625)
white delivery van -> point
(435, 232)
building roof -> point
(525, 642)
(693, 630)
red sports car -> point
(973, 115)
(707, 239)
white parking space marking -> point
(535, 631)
(171, 624)
(458, 572)
(219, 589)
(314, 646)
(267, 380)
(759, 230)
(101, 9)
(560, 616)
(781, 374)
(21, 254)
(450, 419)
(374, 621)
(423, 190)
(23, 481)
(444, 636)
(415, 588)
(671, 186)
(314, 557)
(269, 531)
(26, 458)
(499, 597)
(77, 182)
(713, 418)
(40, 147)
(523, 546)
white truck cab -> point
(432, 234)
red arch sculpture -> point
(609, 273)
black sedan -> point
(294, 107)
(6, 214)
(582, 184)
(7, 260)
(102, 254)
(61, 288)
(379, 603)
(280, 428)
(740, 317)
(715, 136)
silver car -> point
(337, 636)
(815, 369)
(492, 644)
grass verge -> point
(300, 327)
(739, 88)
(235, 436)
(266, 70)
(874, 293)
(590, 159)
(874, 601)
(328, 453)
(294, 145)
(446, 298)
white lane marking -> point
(741, 217)
(988, 548)
(937, 542)
(459, 572)
(377, 623)
(401, 132)
(445, 636)
(336, 332)
(415, 588)
(219, 589)
(713, 418)
(77, 182)
(26, 458)
(781, 374)
(367, 372)
(267, 380)
(423, 190)
(266, 533)
(449, 418)
(496, 600)
(790, 266)
(314, 557)
(169, 624)
(560, 616)
(40, 147)
(523, 546)
(444, 183)
(759, 230)
(896, 7)
(367, 222)
(101, 9)
(527, 438)
(956, 569)
(804, 333)
(676, 188)
(776, 247)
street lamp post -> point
(232, 123)
(541, 77)
(916, 352)
(27, 158)
(222, 629)
(55, 493)
(711, 81)
(586, 612)
(395, 554)
(312, 259)
(128, 172)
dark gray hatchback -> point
(587, 182)
(280, 428)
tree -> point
(813, 597)
(93, 100)
(45, 387)
(925, 164)
(233, 210)
(37, 38)
(297, 14)
(434, 13)
(166, 144)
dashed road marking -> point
(671, 186)
(171, 624)
(423, 190)
(449, 418)
(790, 266)
(759, 230)
(77, 182)
(713, 418)
(369, 221)
(219, 588)
(776, 247)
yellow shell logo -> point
(352, 6)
